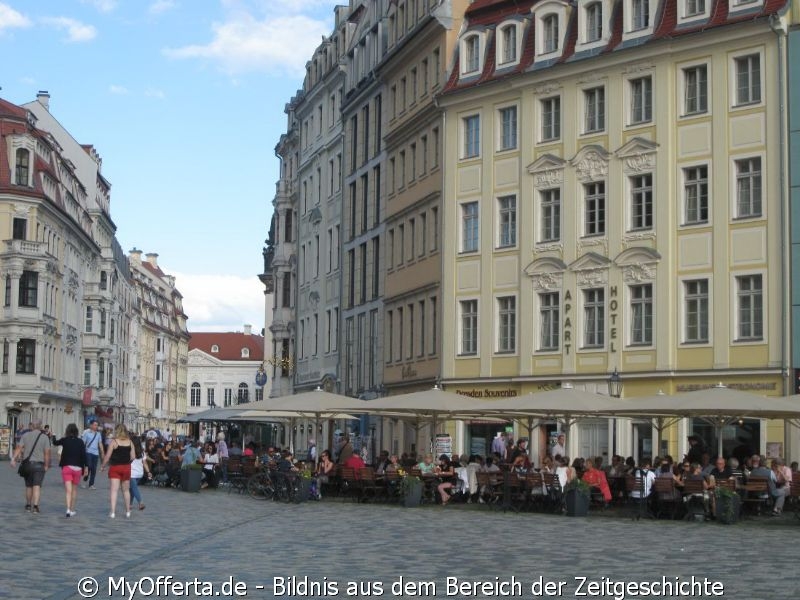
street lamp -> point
(615, 385)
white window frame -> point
(735, 161)
(682, 90)
(547, 103)
(499, 327)
(556, 325)
(684, 7)
(511, 223)
(468, 69)
(465, 129)
(462, 227)
(461, 301)
(632, 108)
(734, 78)
(600, 116)
(631, 197)
(744, 5)
(585, 19)
(631, 30)
(684, 341)
(502, 44)
(630, 309)
(585, 208)
(735, 305)
(542, 11)
(546, 201)
(583, 324)
(501, 128)
(684, 222)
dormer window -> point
(640, 18)
(472, 54)
(507, 40)
(694, 8)
(690, 11)
(594, 22)
(23, 167)
(550, 27)
(744, 5)
(215, 349)
(245, 352)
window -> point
(696, 309)
(19, 228)
(550, 26)
(243, 394)
(549, 321)
(158, 373)
(434, 317)
(641, 314)
(195, 394)
(551, 118)
(594, 109)
(641, 100)
(28, 288)
(594, 22)
(435, 236)
(694, 8)
(550, 215)
(101, 372)
(507, 209)
(472, 136)
(508, 39)
(469, 327)
(227, 397)
(508, 128)
(595, 204)
(695, 82)
(471, 53)
(287, 227)
(748, 79)
(642, 201)
(507, 324)
(286, 290)
(26, 356)
(214, 349)
(695, 191)
(87, 372)
(245, 353)
(103, 323)
(210, 397)
(593, 318)
(749, 296)
(7, 299)
(423, 226)
(469, 218)
(748, 188)
(22, 172)
(641, 14)
(103, 280)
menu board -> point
(444, 444)
(5, 442)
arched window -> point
(215, 349)
(550, 26)
(508, 43)
(245, 352)
(594, 22)
(472, 53)
(195, 394)
(22, 173)
(243, 394)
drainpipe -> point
(779, 29)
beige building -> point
(615, 200)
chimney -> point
(44, 99)
(135, 255)
(152, 258)
(248, 329)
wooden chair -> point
(391, 482)
(369, 484)
(535, 491)
(757, 493)
(490, 486)
(635, 495)
(696, 498)
(349, 483)
(667, 497)
(555, 495)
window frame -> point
(685, 222)
(695, 297)
(683, 89)
(735, 175)
(474, 326)
(737, 296)
(645, 107)
(554, 330)
(507, 138)
(599, 306)
(471, 65)
(28, 289)
(648, 303)
(464, 248)
(546, 107)
(735, 102)
(633, 190)
(554, 220)
(503, 60)
(597, 106)
(510, 224)
(26, 360)
(602, 212)
(508, 329)
(470, 148)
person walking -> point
(73, 464)
(138, 470)
(120, 455)
(34, 447)
(95, 453)
(222, 452)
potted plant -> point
(191, 477)
(577, 494)
(728, 505)
(411, 491)
(303, 483)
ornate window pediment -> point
(591, 162)
(638, 155)
(590, 260)
(638, 264)
(546, 273)
(547, 171)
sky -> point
(184, 101)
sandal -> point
(141, 507)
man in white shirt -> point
(558, 448)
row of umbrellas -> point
(719, 405)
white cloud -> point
(102, 5)
(221, 302)
(118, 89)
(155, 93)
(10, 18)
(274, 45)
(28, 80)
(76, 31)
(161, 6)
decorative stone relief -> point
(549, 178)
(547, 89)
(638, 68)
(592, 277)
(632, 239)
(640, 163)
(593, 243)
(539, 248)
(591, 167)
(547, 281)
(638, 273)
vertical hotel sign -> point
(87, 396)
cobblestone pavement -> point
(219, 537)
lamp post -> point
(615, 391)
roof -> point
(486, 15)
(230, 345)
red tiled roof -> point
(488, 14)
(12, 110)
(230, 345)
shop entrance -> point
(480, 436)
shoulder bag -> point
(24, 469)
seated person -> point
(447, 468)
(696, 474)
(427, 466)
(234, 449)
(382, 462)
(720, 472)
(780, 484)
(286, 464)
(563, 471)
(191, 455)
(393, 465)
(250, 450)
(210, 461)
(597, 479)
(648, 477)
(355, 462)
(326, 468)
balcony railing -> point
(25, 247)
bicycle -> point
(260, 486)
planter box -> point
(191, 479)
(728, 508)
(304, 489)
(413, 496)
(577, 503)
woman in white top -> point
(210, 462)
(564, 472)
(138, 469)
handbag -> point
(24, 468)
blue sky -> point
(184, 100)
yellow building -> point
(615, 198)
